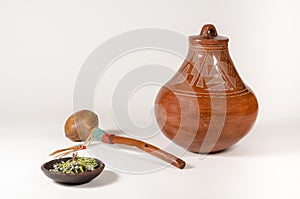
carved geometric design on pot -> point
(211, 70)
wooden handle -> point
(153, 150)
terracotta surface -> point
(206, 107)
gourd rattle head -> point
(79, 125)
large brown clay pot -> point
(206, 107)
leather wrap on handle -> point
(153, 150)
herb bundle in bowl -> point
(75, 165)
(73, 170)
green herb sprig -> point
(75, 165)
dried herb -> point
(75, 165)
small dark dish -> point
(74, 178)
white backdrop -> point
(43, 45)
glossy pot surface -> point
(206, 107)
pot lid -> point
(208, 36)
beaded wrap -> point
(98, 134)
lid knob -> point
(208, 38)
(208, 31)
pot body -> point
(206, 107)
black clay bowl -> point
(76, 178)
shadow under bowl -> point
(73, 178)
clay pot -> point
(206, 107)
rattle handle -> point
(153, 150)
